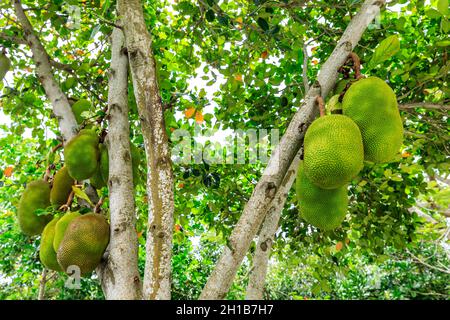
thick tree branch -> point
(256, 281)
(157, 274)
(119, 274)
(61, 106)
(265, 191)
(425, 105)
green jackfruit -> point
(324, 209)
(5, 65)
(136, 162)
(81, 155)
(46, 252)
(84, 242)
(62, 187)
(36, 196)
(104, 162)
(61, 226)
(333, 151)
(372, 104)
(79, 107)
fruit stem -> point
(321, 105)
(48, 172)
(66, 206)
(59, 145)
(98, 205)
(356, 65)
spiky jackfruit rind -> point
(372, 104)
(61, 188)
(334, 152)
(323, 208)
(104, 162)
(35, 196)
(84, 243)
(5, 65)
(81, 155)
(61, 226)
(47, 253)
(79, 107)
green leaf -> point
(442, 7)
(81, 194)
(386, 49)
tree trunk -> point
(257, 278)
(254, 212)
(61, 106)
(157, 274)
(120, 274)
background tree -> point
(238, 65)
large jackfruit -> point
(104, 162)
(61, 226)
(79, 107)
(333, 151)
(324, 209)
(36, 196)
(47, 253)
(372, 104)
(84, 243)
(61, 188)
(5, 65)
(81, 155)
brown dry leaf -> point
(339, 246)
(8, 171)
(265, 54)
(238, 77)
(199, 117)
(189, 112)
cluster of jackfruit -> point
(74, 240)
(70, 240)
(336, 146)
(87, 158)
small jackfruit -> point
(333, 151)
(79, 107)
(104, 162)
(84, 243)
(61, 188)
(81, 155)
(324, 209)
(372, 104)
(136, 162)
(36, 196)
(61, 226)
(5, 65)
(47, 253)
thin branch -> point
(305, 68)
(424, 105)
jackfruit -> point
(323, 208)
(61, 226)
(81, 155)
(79, 107)
(46, 252)
(5, 65)
(36, 196)
(62, 187)
(333, 151)
(104, 162)
(372, 104)
(136, 162)
(84, 243)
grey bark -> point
(119, 274)
(257, 278)
(61, 106)
(157, 273)
(265, 191)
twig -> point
(42, 282)
(305, 68)
(67, 205)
